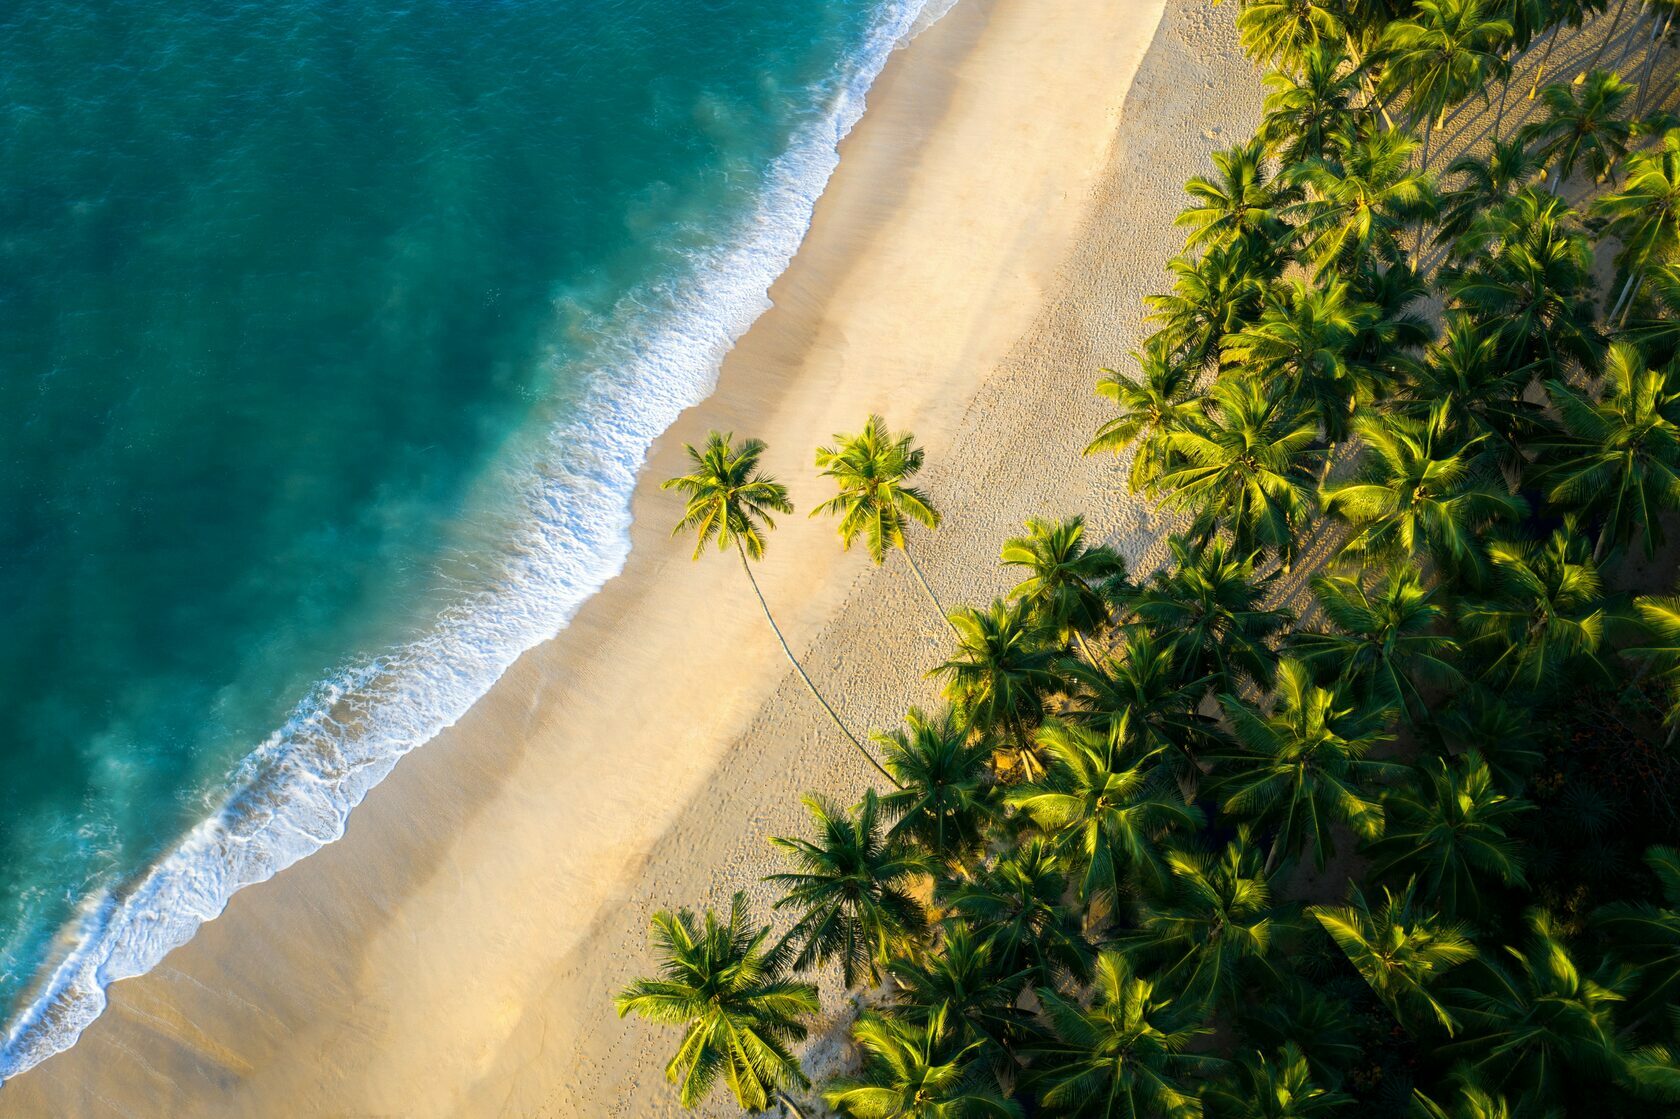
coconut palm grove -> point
(1365, 802)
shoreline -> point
(459, 966)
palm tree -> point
(1207, 603)
(1448, 50)
(1648, 935)
(1001, 672)
(1309, 116)
(1249, 466)
(1451, 833)
(1287, 32)
(1018, 901)
(1472, 1102)
(1479, 395)
(1304, 767)
(1160, 400)
(1546, 612)
(731, 502)
(1654, 318)
(1241, 204)
(1486, 183)
(852, 890)
(1359, 202)
(1215, 920)
(1582, 125)
(740, 1015)
(944, 801)
(1392, 329)
(1071, 584)
(1659, 619)
(1212, 295)
(1539, 1016)
(962, 980)
(1284, 1090)
(1401, 949)
(1105, 805)
(1644, 215)
(1124, 1057)
(1530, 280)
(1304, 1014)
(1142, 690)
(1617, 459)
(871, 469)
(1303, 339)
(1418, 492)
(1381, 639)
(917, 1071)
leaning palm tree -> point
(1210, 934)
(946, 799)
(1645, 216)
(1359, 202)
(730, 502)
(1018, 902)
(1452, 834)
(1249, 466)
(741, 1017)
(1284, 1089)
(1000, 673)
(1208, 604)
(1160, 400)
(1546, 612)
(1104, 803)
(917, 1071)
(1303, 340)
(1447, 51)
(1616, 460)
(1583, 126)
(1539, 1016)
(1071, 584)
(1384, 636)
(1401, 949)
(851, 889)
(1240, 203)
(871, 469)
(1304, 767)
(1124, 1057)
(1416, 491)
(1306, 116)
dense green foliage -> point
(1408, 845)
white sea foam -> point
(296, 790)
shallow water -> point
(332, 337)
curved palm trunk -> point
(1659, 33)
(1624, 303)
(1370, 86)
(787, 1102)
(933, 598)
(799, 668)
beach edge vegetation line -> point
(1175, 848)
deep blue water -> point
(331, 335)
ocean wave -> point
(295, 792)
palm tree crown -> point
(729, 500)
(717, 981)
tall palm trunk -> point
(1598, 55)
(1545, 57)
(1365, 76)
(799, 668)
(933, 598)
(1659, 34)
(787, 1102)
(1624, 302)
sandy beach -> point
(997, 216)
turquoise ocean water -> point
(331, 337)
